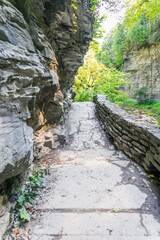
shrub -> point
(141, 94)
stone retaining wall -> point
(138, 139)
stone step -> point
(95, 237)
(101, 225)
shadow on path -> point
(98, 193)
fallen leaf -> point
(53, 180)
(27, 235)
(28, 208)
(133, 178)
(15, 231)
(152, 176)
(130, 211)
(64, 195)
(117, 210)
(87, 233)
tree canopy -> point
(139, 28)
(94, 78)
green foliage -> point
(26, 196)
(104, 55)
(138, 8)
(73, 4)
(94, 78)
(141, 94)
(95, 6)
(23, 200)
(139, 33)
(140, 28)
(113, 47)
(150, 107)
(24, 215)
(118, 45)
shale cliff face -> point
(144, 67)
(42, 44)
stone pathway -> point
(98, 193)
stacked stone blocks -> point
(138, 139)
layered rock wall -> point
(42, 44)
(136, 138)
(144, 67)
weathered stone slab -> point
(98, 193)
(97, 224)
(96, 237)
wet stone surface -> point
(98, 192)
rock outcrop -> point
(42, 45)
(144, 65)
